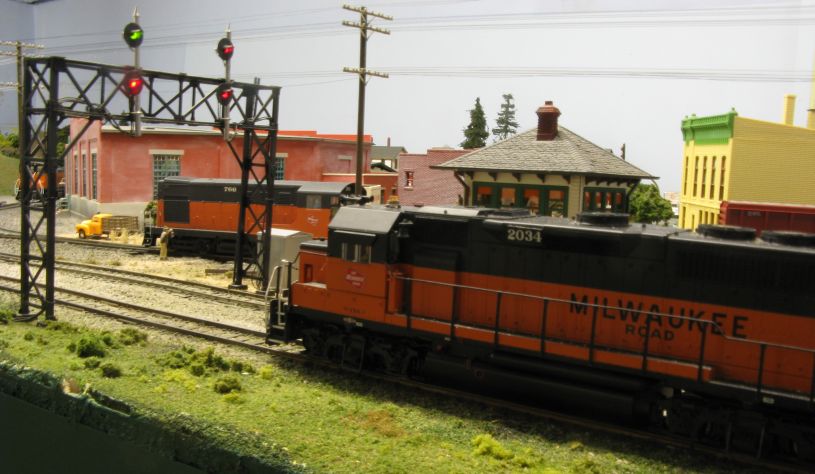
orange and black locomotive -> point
(708, 334)
(203, 211)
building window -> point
(610, 200)
(164, 166)
(508, 197)
(84, 174)
(685, 178)
(75, 179)
(280, 168)
(539, 200)
(721, 179)
(704, 175)
(532, 198)
(713, 178)
(556, 204)
(484, 196)
(695, 175)
(93, 176)
(408, 179)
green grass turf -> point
(327, 421)
(9, 168)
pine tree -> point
(506, 125)
(475, 135)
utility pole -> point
(365, 29)
(18, 53)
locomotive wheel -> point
(81, 234)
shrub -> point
(266, 372)
(110, 371)
(92, 362)
(130, 336)
(227, 384)
(240, 366)
(108, 339)
(41, 341)
(174, 359)
(88, 346)
(58, 326)
(5, 316)
(210, 359)
(197, 369)
(234, 398)
(486, 445)
(29, 336)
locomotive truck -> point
(709, 335)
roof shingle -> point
(567, 153)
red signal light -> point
(133, 83)
(225, 49)
(224, 93)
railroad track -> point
(154, 318)
(15, 235)
(256, 340)
(174, 285)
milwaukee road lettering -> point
(660, 322)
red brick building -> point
(419, 184)
(109, 171)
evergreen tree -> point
(506, 125)
(475, 135)
(646, 205)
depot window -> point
(539, 200)
(605, 199)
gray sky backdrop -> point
(620, 71)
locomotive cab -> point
(351, 274)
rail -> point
(705, 326)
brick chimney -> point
(547, 121)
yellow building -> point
(732, 158)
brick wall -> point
(430, 186)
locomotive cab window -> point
(357, 253)
(335, 205)
(314, 201)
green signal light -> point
(133, 35)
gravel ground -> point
(183, 268)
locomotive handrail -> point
(593, 305)
(763, 345)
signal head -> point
(224, 93)
(133, 35)
(225, 49)
(132, 83)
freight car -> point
(203, 212)
(709, 335)
(768, 216)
